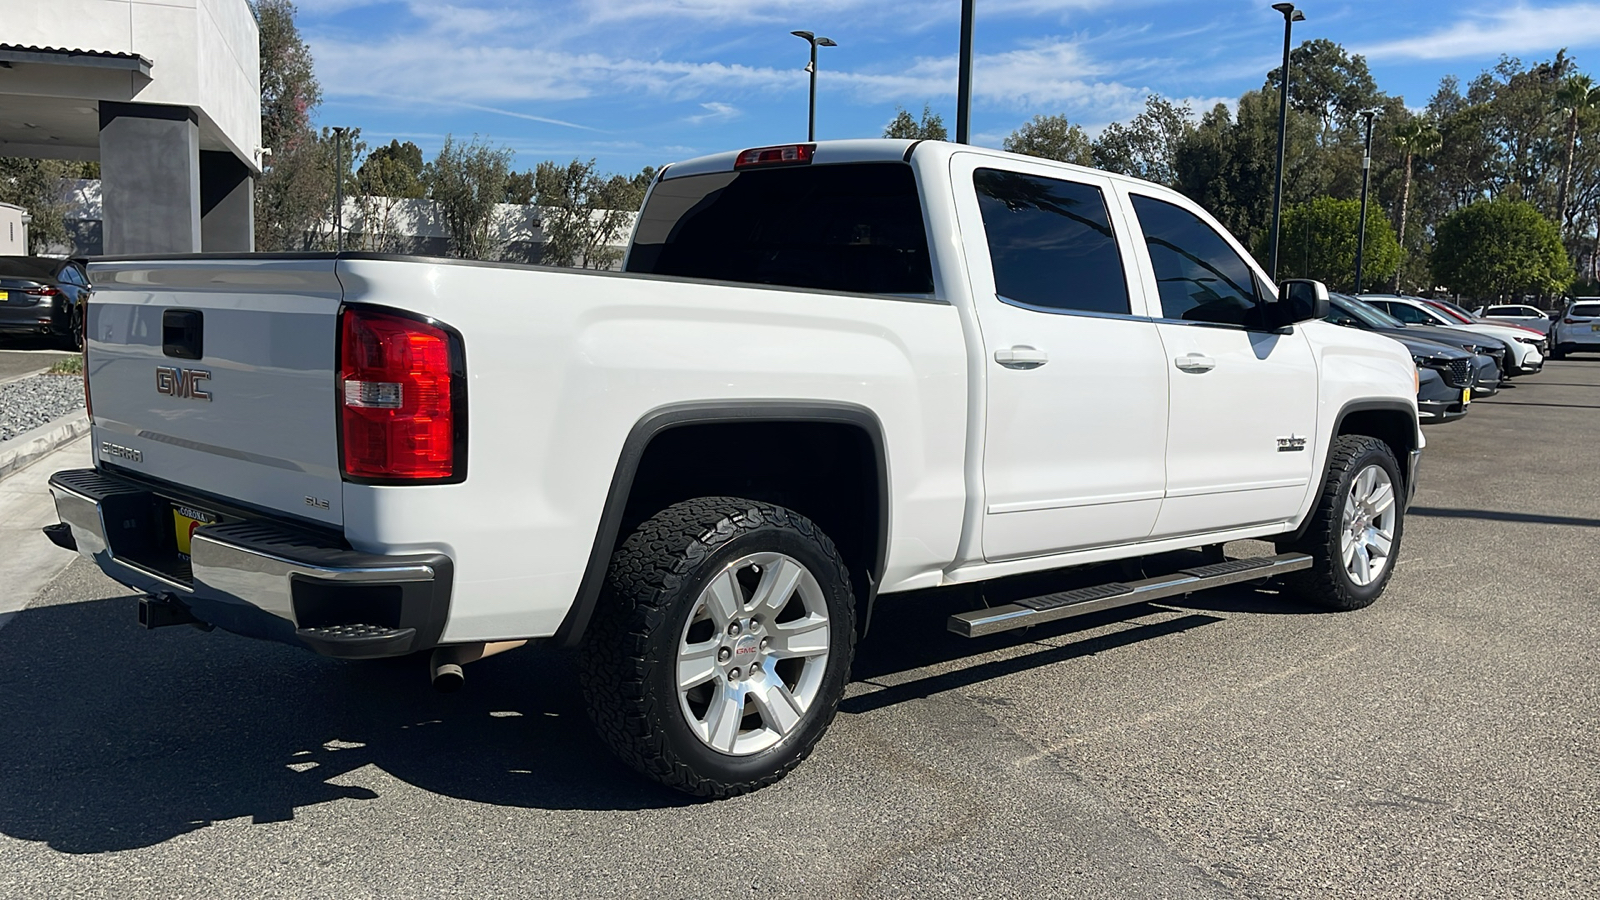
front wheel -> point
(721, 646)
(1355, 530)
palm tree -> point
(1417, 138)
(1577, 94)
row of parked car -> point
(1461, 354)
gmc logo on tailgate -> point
(176, 382)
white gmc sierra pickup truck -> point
(827, 372)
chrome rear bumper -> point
(257, 577)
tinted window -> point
(1051, 243)
(1199, 276)
(1584, 310)
(854, 227)
(1408, 314)
(70, 275)
(1505, 311)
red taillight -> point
(397, 412)
(45, 291)
(1571, 321)
(788, 154)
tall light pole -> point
(1366, 175)
(815, 42)
(1290, 16)
(338, 188)
(964, 76)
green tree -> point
(1052, 137)
(1575, 97)
(583, 214)
(1146, 147)
(1327, 82)
(40, 187)
(1500, 248)
(465, 182)
(295, 190)
(1414, 138)
(1319, 241)
(520, 188)
(1227, 163)
(931, 128)
(393, 170)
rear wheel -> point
(1354, 535)
(721, 646)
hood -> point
(1424, 347)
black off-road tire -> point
(1326, 583)
(628, 658)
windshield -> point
(852, 227)
(1364, 313)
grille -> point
(1459, 374)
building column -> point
(227, 204)
(150, 178)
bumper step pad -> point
(1066, 604)
(356, 641)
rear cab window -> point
(854, 227)
(1050, 243)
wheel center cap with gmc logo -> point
(746, 647)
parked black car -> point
(40, 295)
(1489, 354)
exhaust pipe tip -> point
(448, 677)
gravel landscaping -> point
(35, 401)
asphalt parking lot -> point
(1443, 743)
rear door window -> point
(1199, 276)
(851, 227)
(1050, 243)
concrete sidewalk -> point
(30, 561)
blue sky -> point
(645, 82)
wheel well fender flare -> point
(1359, 406)
(665, 418)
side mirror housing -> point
(1301, 300)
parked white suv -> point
(829, 372)
(1578, 329)
(1526, 316)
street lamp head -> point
(1297, 16)
(1285, 8)
(826, 42)
(806, 35)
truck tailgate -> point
(218, 375)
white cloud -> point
(716, 112)
(1517, 29)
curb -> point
(12, 378)
(23, 449)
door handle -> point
(1195, 362)
(1021, 357)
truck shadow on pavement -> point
(115, 738)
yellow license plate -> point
(4, 296)
(184, 521)
(1591, 327)
(1466, 396)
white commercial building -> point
(166, 95)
